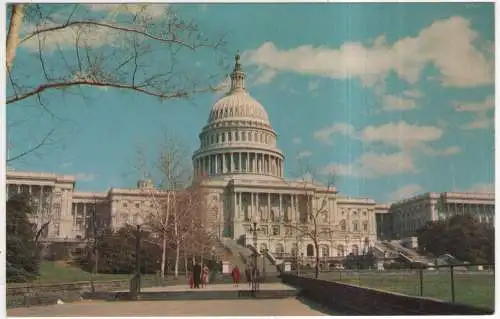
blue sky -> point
(394, 99)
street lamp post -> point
(138, 256)
(254, 280)
(254, 231)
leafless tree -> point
(145, 48)
(171, 172)
(313, 218)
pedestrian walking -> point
(197, 275)
(235, 274)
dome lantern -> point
(238, 76)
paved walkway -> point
(282, 307)
(216, 287)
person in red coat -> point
(236, 275)
(191, 280)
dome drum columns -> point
(238, 162)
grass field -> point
(61, 272)
(473, 288)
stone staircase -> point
(224, 253)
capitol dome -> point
(238, 137)
(238, 105)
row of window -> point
(354, 212)
(324, 250)
(237, 136)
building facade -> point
(248, 198)
(405, 217)
(242, 168)
(72, 214)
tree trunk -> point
(163, 255)
(177, 256)
(185, 264)
(16, 20)
(316, 268)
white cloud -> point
(416, 94)
(265, 76)
(296, 140)
(304, 154)
(448, 44)
(479, 123)
(396, 103)
(90, 35)
(372, 165)
(483, 118)
(452, 150)
(482, 188)
(484, 106)
(85, 177)
(84, 35)
(146, 10)
(405, 192)
(401, 134)
(325, 134)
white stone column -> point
(224, 168)
(232, 162)
(240, 205)
(252, 216)
(235, 210)
(268, 205)
(257, 204)
(217, 161)
(281, 206)
(292, 203)
(255, 165)
(239, 161)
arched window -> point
(310, 250)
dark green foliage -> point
(460, 236)
(23, 257)
(360, 262)
(116, 252)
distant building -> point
(71, 213)
(403, 218)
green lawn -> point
(474, 288)
(59, 272)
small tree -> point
(23, 252)
(313, 220)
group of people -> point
(199, 276)
(200, 273)
(252, 275)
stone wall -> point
(365, 301)
(24, 295)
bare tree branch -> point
(31, 150)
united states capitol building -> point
(243, 170)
